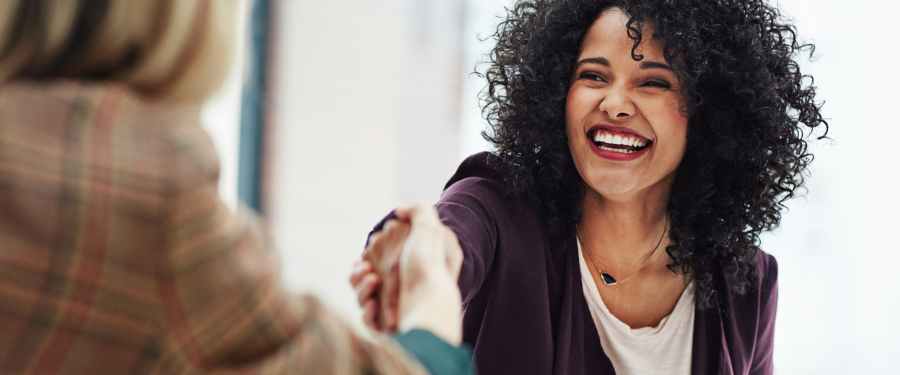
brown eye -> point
(654, 83)
(591, 76)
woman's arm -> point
(469, 218)
(224, 309)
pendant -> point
(607, 278)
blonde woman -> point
(116, 254)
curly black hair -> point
(746, 150)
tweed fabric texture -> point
(118, 257)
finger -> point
(423, 248)
(390, 295)
(395, 236)
(395, 318)
(360, 269)
(370, 239)
(388, 283)
(370, 315)
(372, 244)
(389, 226)
(366, 288)
(420, 211)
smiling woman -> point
(615, 102)
(642, 147)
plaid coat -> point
(117, 256)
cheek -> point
(679, 129)
(571, 115)
(673, 121)
(578, 106)
(674, 134)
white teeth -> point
(618, 139)
(621, 151)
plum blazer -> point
(525, 311)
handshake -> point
(407, 277)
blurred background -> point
(337, 111)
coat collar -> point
(709, 350)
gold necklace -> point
(606, 277)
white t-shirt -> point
(664, 349)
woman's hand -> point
(408, 277)
(366, 282)
(377, 277)
(429, 268)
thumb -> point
(419, 212)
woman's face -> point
(624, 120)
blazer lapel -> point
(709, 351)
(725, 366)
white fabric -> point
(664, 349)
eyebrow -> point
(644, 64)
(593, 60)
(655, 65)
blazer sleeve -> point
(762, 352)
(224, 309)
(467, 208)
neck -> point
(622, 231)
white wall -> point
(366, 120)
(839, 294)
(480, 23)
(221, 115)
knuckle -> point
(374, 240)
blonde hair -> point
(169, 49)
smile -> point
(621, 142)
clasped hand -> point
(407, 278)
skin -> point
(625, 202)
(420, 266)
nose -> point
(617, 104)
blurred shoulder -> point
(142, 144)
(86, 109)
(478, 188)
(188, 155)
(767, 267)
(477, 178)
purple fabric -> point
(524, 308)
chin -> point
(609, 186)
